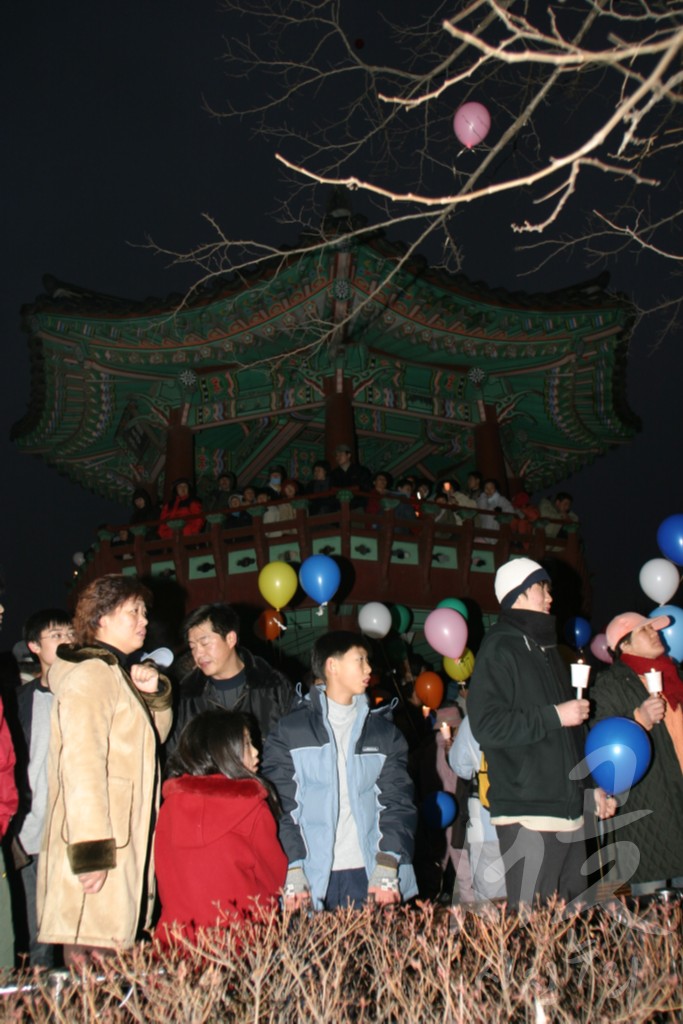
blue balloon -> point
(319, 577)
(618, 754)
(578, 631)
(439, 809)
(672, 635)
(670, 538)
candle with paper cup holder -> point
(580, 675)
(653, 681)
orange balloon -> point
(429, 689)
(269, 624)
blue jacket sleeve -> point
(398, 814)
(278, 768)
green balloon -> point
(456, 604)
(401, 617)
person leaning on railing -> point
(182, 504)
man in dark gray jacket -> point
(227, 675)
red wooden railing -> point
(383, 557)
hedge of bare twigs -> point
(412, 965)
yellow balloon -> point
(277, 582)
(460, 669)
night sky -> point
(106, 142)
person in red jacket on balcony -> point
(182, 504)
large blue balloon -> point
(439, 809)
(319, 577)
(578, 631)
(672, 635)
(670, 538)
(618, 754)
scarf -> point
(538, 626)
(672, 685)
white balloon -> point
(374, 620)
(162, 657)
(659, 579)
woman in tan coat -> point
(95, 874)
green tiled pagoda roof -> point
(246, 363)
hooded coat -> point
(9, 799)
(103, 794)
(216, 852)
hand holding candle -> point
(580, 675)
(653, 680)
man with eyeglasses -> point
(44, 632)
(645, 684)
(528, 724)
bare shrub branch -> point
(421, 964)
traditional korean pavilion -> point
(418, 370)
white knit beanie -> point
(516, 576)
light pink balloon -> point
(599, 648)
(471, 123)
(446, 632)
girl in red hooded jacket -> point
(217, 855)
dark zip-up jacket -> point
(650, 815)
(266, 695)
(515, 686)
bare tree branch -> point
(574, 88)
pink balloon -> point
(599, 648)
(446, 632)
(471, 123)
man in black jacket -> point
(228, 676)
(350, 474)
(524, 717)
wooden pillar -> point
(516, 484)
(488, 449)
(179, 451)
(340, 427)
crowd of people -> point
(370, 490)
(134, 804)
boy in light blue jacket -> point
(340, 770)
